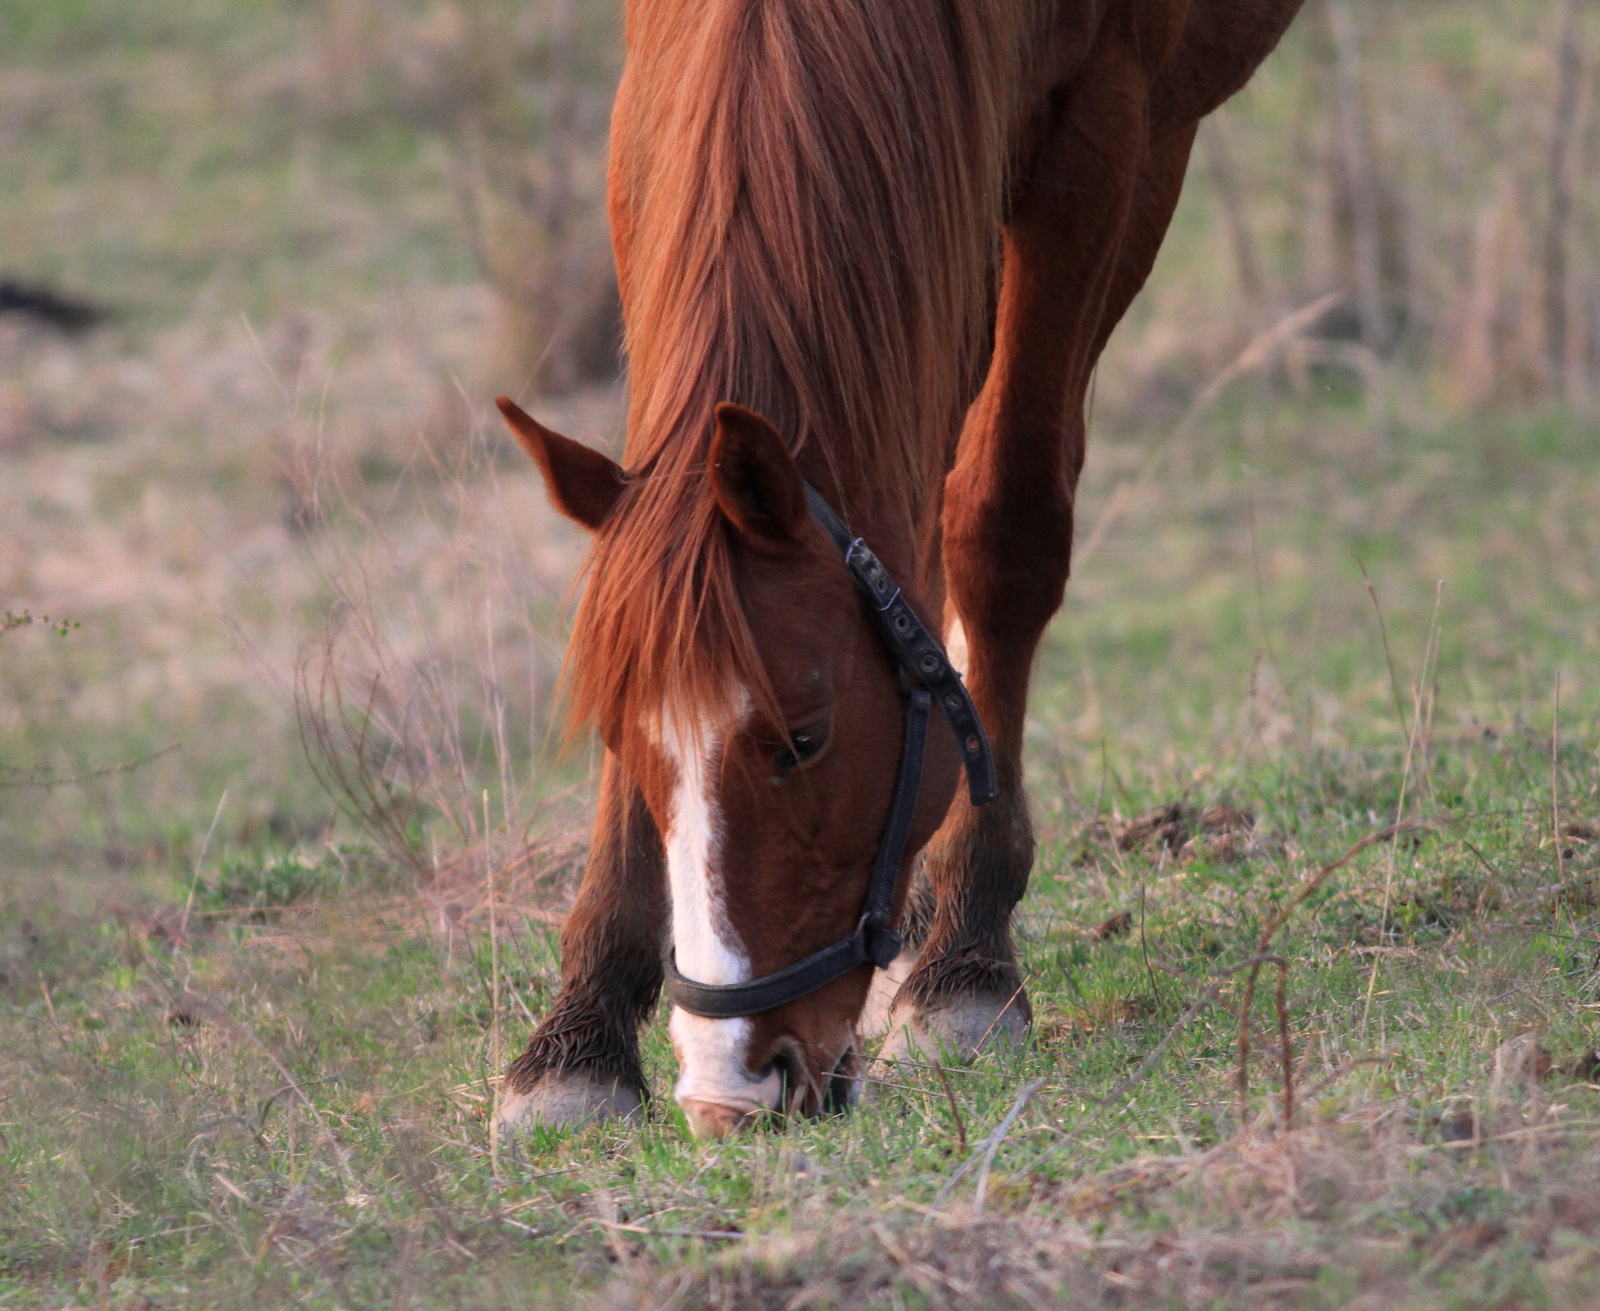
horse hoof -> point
(565, 1101)
(885, 987)
(958, 1031)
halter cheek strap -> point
(928, 677)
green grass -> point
(289, 1106)
(293, 1111)
(178, 148)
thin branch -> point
(1285, 1052)
(1555, 784)
(126, 768)
(200, 860)
(1160, 1049)
(1264, 943)
(1383, 632)
(1260, 349)
(955, 1111)
(984, 1156)
(728, 1235)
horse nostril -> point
(844, 1084)
(782, 1066)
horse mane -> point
(806, 195)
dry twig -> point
(1263, 956)
(984, 1156)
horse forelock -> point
(660, 634)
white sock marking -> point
(955, 647)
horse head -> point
(773, 793)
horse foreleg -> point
(1078, 246)
(582, 1062)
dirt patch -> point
(1218, 831)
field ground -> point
(284, 1101)
(247, 1039)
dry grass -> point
(241, 511)
(1304, 1219)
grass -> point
(289, 1104)
(294, 1112)
(247, 1040)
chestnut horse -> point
(874, 246)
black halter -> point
(928, 676)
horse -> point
(869, 252)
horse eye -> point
(802, 747)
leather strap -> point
(922, 661)
(914, 648)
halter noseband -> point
(928, 676)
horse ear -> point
(755, 480)
(584, 484)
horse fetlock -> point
(565, 1100)
(978, 865)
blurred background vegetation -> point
(320, 234)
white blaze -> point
(710, 1052)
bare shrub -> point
(426, 703)
(523, 95)
(1423, 163)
